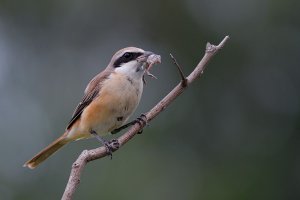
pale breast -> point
(118, 99)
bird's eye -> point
(127, 55)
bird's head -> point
(130, 61)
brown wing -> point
(91, 91)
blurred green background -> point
(234, 134)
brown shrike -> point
(109, 100)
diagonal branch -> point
(90, 155)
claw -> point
(142, 121)
(114, 144)
(110, 146)
(108, 149)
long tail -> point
(46, 152)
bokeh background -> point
(234, 134)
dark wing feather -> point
(91, 93)
(86, 100)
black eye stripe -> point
(127, 57)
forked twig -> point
(183, 78)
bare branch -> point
(90, 155)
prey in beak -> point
(149, 60)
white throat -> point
(132, 69)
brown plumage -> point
(109, 100)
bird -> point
(109, 99)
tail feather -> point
(46, 152)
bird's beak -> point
(144, 57)
(148, 53)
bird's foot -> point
(110, 146)
(142, 121)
